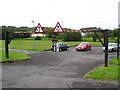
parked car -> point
(111, 47)
(83, 46)
(62, 46)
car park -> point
(83, 46)
(62, 46)
(111, 47)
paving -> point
(50, 69)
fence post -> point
(106, 46)
(6, 44)
(118, 44)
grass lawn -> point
(102, 72)
(30, 45)
(115, 61)
(38, 45)
(13, 56)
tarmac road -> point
(49, 69)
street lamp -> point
(33, 26)
(33, 34)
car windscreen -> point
(112, 44)
(82, 44)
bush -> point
(71, 36)
(94, 38)
(49, 35)
(38, 38)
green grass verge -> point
(13, 56)
(30, 45)
(102, 72)
(115, 61)
(96, 44)
(72, 43)
(38, 45)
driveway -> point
(49, 69)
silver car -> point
(111, 47)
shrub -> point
(94, 38)
(37, 38)
(49, 35)
(71, 36)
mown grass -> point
(12, 56)
(115, 61)
(30, 45)
(33, 45)
(102, 72)
(38, 45)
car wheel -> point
(60, 50)
(113, 49)
(77, 50)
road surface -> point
(50, 69)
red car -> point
(83, 46)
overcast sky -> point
(73, 14)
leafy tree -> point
(8, 29)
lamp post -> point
(33, 26)
(33, 35)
